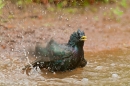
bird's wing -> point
(53, 51)
(42, 53)
(58, 51)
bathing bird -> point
(61, 57)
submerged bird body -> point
(61, 57)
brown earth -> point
(35, 24)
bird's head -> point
(77, 38)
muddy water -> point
(104, 68)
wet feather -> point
(61, 57)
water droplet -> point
(38, 63)
(99, 67)
(54, 33)
(84, 80)
(112, 64)
(111, 8)
(115, 75)
(54, 73)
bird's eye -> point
(80, 33)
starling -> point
(61, 57)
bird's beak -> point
(83, 38)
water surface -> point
(104, 68)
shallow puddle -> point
(105, 68)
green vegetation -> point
(72, 3)
(117, 11)
(64, 3)
(73, 6)
(123, 3)
(1, 6)
(23, 3)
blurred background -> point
(23, 23)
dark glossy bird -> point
(61, 57)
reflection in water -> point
(103, 68)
